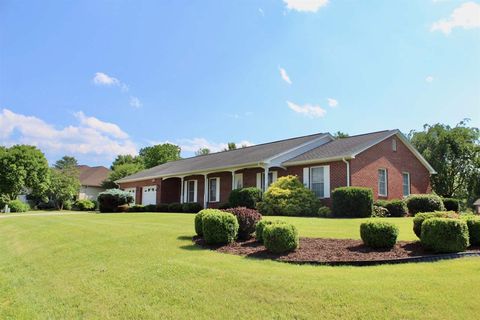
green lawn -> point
(137, 266)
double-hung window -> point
(191, 191)
(406, 183)
(238, 180)
(382, 182)
(214, 189)
(317, 181)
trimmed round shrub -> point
(245, 197)
(150, 208)
(324, 212)
(289, 197)
(279, 238)
(444, 235)
(114, 200)
(396, 207)
(352, 202)
(379, 234)
(451, 204)
(18, 206)
(261, 226)
(473, 224)
(198, 220)
(247, 220)
(219, 227)
(421, 217)
(424, 203)
(193, 207)
(162, 207)
(175, 207)
(84, 205)
(137, 208)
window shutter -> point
(259, 180)
(195, 191)
(218, 190)
(306, 177)
(326, 181)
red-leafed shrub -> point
(247, 220)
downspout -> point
(348, 171)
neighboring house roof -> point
(477, 202)
(321, 147)
(253, 155)
(92, 176)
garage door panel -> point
(149, 195)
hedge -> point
(444, 235)
(451, 204)
(247, 220)
(84, 205)
(192, 207)
(379, 234)
(245, 197)
(353, 202)
(162, 207)
(424, 203)
(114, 200)
(395, 208)
(261, 226)
(421, 217)
(279, 238)
(219, 227)
(136, 208)
(175, 207)
(473, 224)
(18, 206)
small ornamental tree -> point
(247, 220)
(289, 197)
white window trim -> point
(326, 179)
(409, 183)
(386, 183)
(185, 190)
(217, 191)
(238, 177)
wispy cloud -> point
(332, 102)
(103, 79)
(465, 16)
(429, 79)
(135, 102)
(89, 136)
(305, 5)
(284, 75)
(194, 144)
(312, 111)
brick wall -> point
(364, 169)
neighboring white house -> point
(91, 179)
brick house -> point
(384, 161)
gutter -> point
(348, 171)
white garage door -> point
(132, 191)
(149, 195)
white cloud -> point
(429, 79)
(135, 102)
(284, 75)
(305, 5)
(101, 126)
(103, 79)
(466, 16)
(192, 145)
(313, 111)
(90, 136)
(332, 102)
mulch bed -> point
(329, 251)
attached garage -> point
(149, 195)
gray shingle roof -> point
(344, 147)
(225, 159)
(92, 176)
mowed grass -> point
(144, 266)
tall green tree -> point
(66, 162)
(64, 186)
(159, 154)
(202, 151)
(124, 159)
(230, 146)
(340, 135)
(454, 152)
(23, 168)
(123, 170)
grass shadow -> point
(185, 238)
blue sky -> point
(97, 78)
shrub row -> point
(18, 206)
(395, 208)
(164, 207)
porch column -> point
(181, 190)
(205, 190)
(265, 182)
